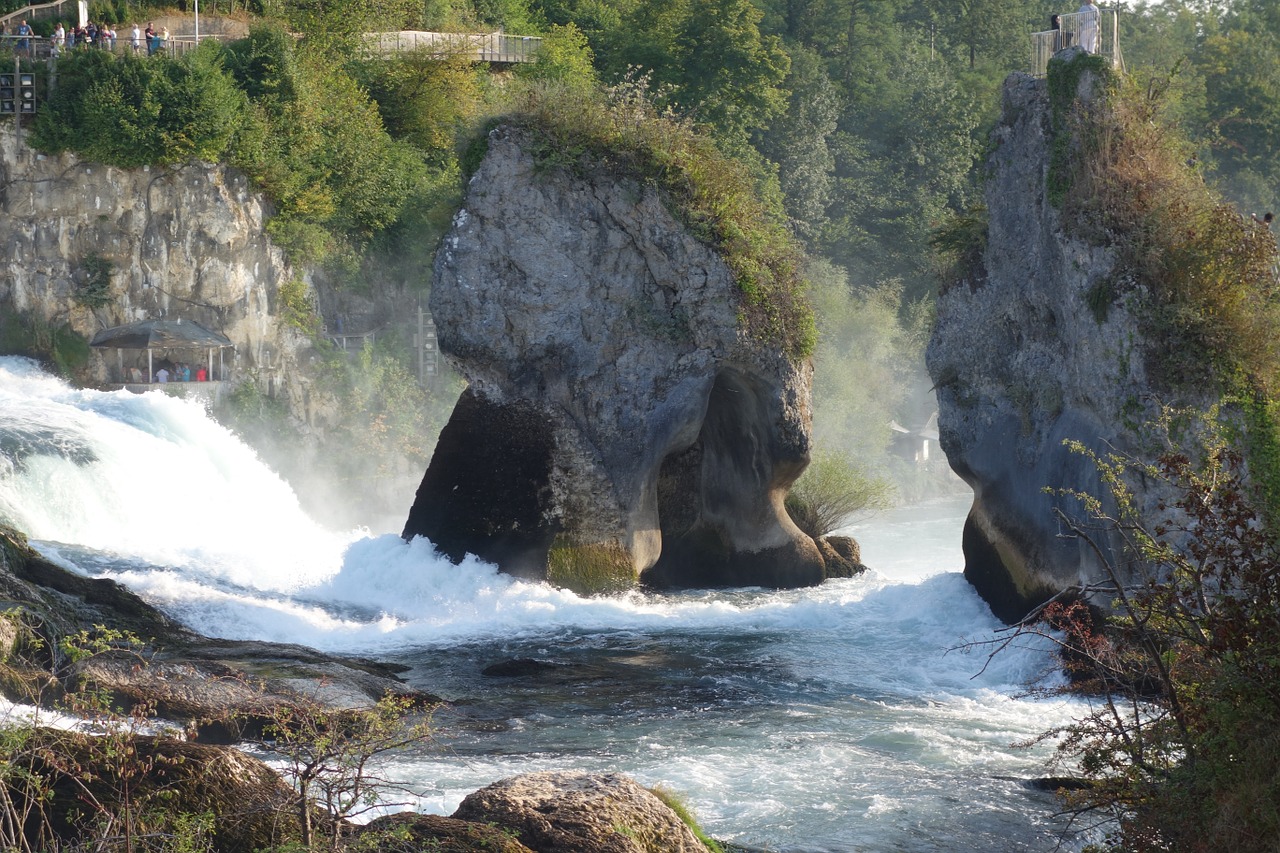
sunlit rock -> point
(581, 812)
(1026, 355)
(619, 424)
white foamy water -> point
(844, 717)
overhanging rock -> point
(619, 425)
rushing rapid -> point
(851, 716)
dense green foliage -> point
(315, 142)
(127, 111)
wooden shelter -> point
(152, 335)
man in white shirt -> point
(1088, 23)
(162, 376)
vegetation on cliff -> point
(1178, 751)
(1201, 274)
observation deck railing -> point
(1077, 28)
(476, 47)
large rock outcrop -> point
(618, 423)
(1023, 359)
(185, 241)
(581, 813)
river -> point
(847, 717)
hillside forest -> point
(862, 124)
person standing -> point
(137, 40)
(58, 39)
(1089, 24)
(24, 44)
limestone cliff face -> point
(616, 414)
(182, 242)
(1021, 362)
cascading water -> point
(824, 719)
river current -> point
(848, 717)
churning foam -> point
(149, 489)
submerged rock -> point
(581, 813)
(619, 424)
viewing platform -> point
(1097, 32)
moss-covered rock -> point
(590, 569)
(439, 834)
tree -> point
(331, 757)
(798, 143)
(906, 152)
(730, 75)
(565, 57)
(1241, 69)
(1179, 746)
(316, 143)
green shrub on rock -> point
(830, 492)
(130, 111)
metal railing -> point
(1097, 32)
(477, 47)
(36, 12)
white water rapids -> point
(838, 718)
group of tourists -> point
(170, 372)
(91, 35)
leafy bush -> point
(128, 111)
(94, 289)
(329, 757)
(960, 243)
(1180, 746)
(830, 492)
(712, 194)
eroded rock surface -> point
(581, 813)
(1022, 362)
(617, 420)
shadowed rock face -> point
(1022, 364)
(614, 405)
